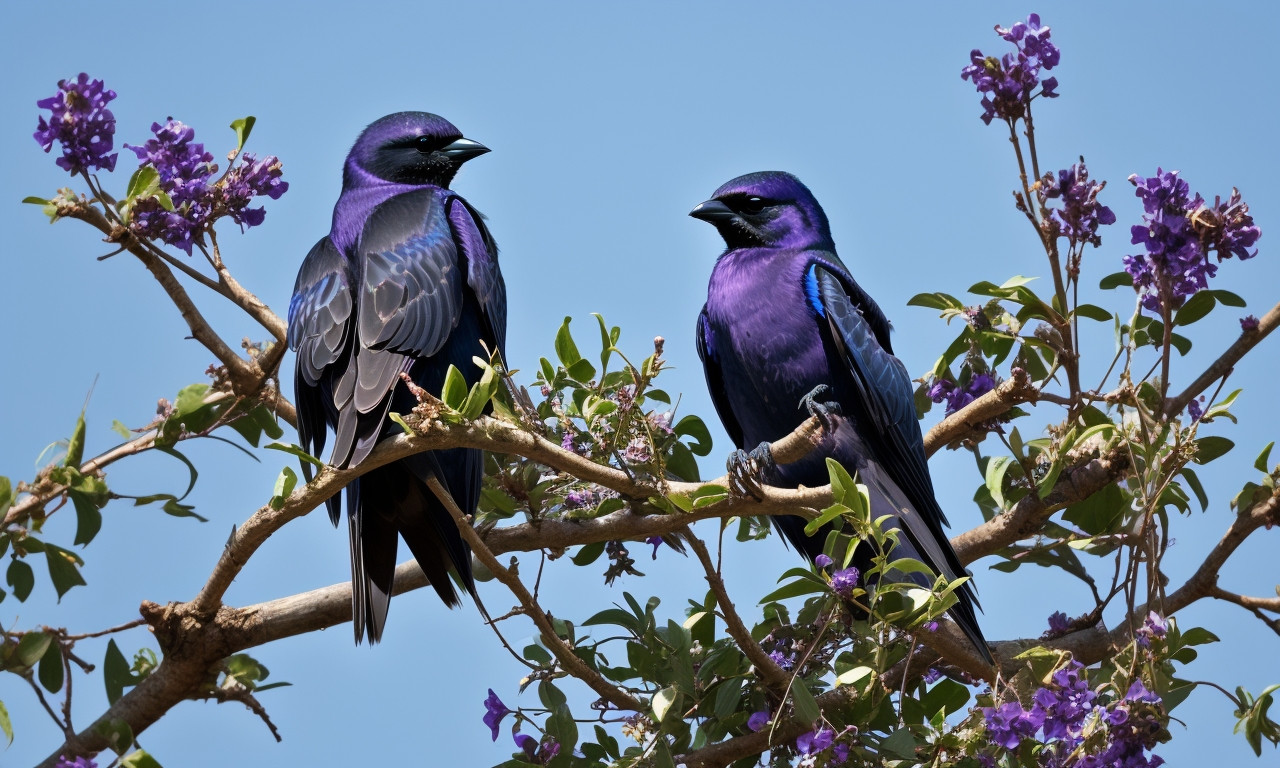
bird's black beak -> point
(463, 150)
(712, 211)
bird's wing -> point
(885, 407)
(408, 301)
(480, 252)
(715, 379)
(886, 415)
(320, 321)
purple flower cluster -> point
(822, 561)
(1067, 708)
(1194, 410)
(81, 122)
(1178, 232)
(1007, 83)
(1154, 625)
(958, 397)
(814, 743)
(186, 172)
(1249, 323)
(75, 762)
(781, 650)
(844, 581)
(1058, 623)
(1080, 214)
(759, 720)
(494, 711)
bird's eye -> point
(752, 205)
(425, 144)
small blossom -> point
(1194, 410)
(822, 561)
(81, 123)
(759, 720)
(813, 742)
(932, 675)
(636, 727)
(661, 423)
(930, 626)
(1248, 323)
(782, 660)
(1058, 623)
(251, 178)
(1153, 625)
(494, 711)
(656, 541)
(581, 498)
(844, 581)
(1008, 724)
(637, 451)
(539, 754)
(75, 762)
(958, 397)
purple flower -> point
(80, 122)
(1153, 625)
(541, 754)
(822, 561)
(1178, 232)
(759, 720)
(567, 442)
(782, 660)
(494, 711)
(1062, 711)
(1080, 214)
(75, 762)
(844, 581)
(580, 498)
(250, 179)
(1007, 83)
(1248, 323)
(1194, 410)
(656, 541)
(1138, 692)
(1009, 724)
(958, 397)
(931, 626)
(932, 675)
(637, 451)
(1058, 623)
(813, 742)
(185, 169)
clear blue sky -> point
(608, 122)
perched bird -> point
(785, 322)
(406, 281)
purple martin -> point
(406, 282)
(785, 324)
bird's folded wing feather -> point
(480, 254)
(715, 379)
(887, 407)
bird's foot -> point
(748, 470)
(822, 411)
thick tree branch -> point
(1012, 391)
(1225, 362)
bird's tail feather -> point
(383, 505)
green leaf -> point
(88, 518)
(63, 569)
(900, 743)
(31, 648)
(693, 427)
(6, 724)
(118, 734)
(1116, 280)
(115, 673)
(285, 483)
(1199, 636)
(1263, 462)
(994, 479)
(940, 301)
(455, 389)
(1195, 309)
(75, 446)
(294, 450)
(1093, 312)
(120, 429)
(1211, 447)
(662, 701)
(726, 701)
(51, 670)
(6, 495)
(1194, 482)
(404, 425)
(139, 759)
(945, 696)
(242, 127)
(588, 554)
(1227, 298)
(807, 710)
(566, 349)
(21, 578)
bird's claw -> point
(822, 411)
(748, 470)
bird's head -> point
(410, 148)
(770, 209)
